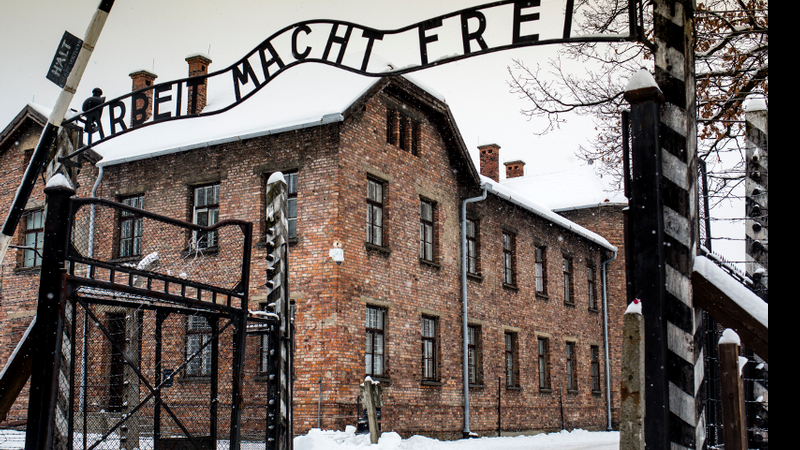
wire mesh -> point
(151, 352)
(143, 374)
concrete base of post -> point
(632, 384)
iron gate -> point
(157, 347)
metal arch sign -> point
(477, 30)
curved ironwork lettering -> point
(477, 30)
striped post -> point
(757, 247)
(757, 191)
(674, 73)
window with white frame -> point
(375, 331)
(544, 363)
(566, 266)
(34, 238)
(509, 270)
(429, 348)
(206, 212)
(472, 247)
(540, 269)
(374, 212)
(130, 228)
(426, 231)
(198, 347)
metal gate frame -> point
(72, 281)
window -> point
(474, 354)
(34, 239)
(595, 363)
(566, 265)
(130, 228)
(206, 213)
(540, 268)
(291, 203)
(508, 259)
(429, 348)
(511, 359)
(572, 368)
(544, 363)
(198, 335)
(472, 247)
(376, 326)
(590, 282)
(426, 244)
(402, 131)
(374, 212)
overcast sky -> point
(157, 35)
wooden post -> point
(632, 382)
(734, 430)
(371, 398)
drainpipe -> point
(603, 266)
(91, 212)
(465, 329)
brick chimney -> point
(515, 169)
(490, 161)
(142, 79)
(198, 65)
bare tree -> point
(731, 61)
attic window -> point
(402, 131)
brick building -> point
(378, 167)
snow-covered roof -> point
(308, 95)
(519, 199)
(575, 188)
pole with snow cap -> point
(68, 79)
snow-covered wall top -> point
(744, 297)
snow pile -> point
(565, 440)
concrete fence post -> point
(371, 398)
(632, 382)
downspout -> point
(91, 212)
(603, 266)
(465, 329)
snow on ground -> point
(348, 440)
(564, 440)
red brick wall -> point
(333, 163)
(18, 285)
(607, 220)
